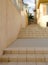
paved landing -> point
(29, 43)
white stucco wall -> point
(10, 23)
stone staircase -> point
(24, 55)
(33, 31)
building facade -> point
(42, 13)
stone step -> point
(25, 51)
(8, 63)
(23, 63)
(24, 58)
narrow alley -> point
(23, 32)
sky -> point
(31, 4)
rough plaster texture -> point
(10, 23)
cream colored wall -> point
(44, 9)
(40, 14)
(10, 23)
(43, 17)
(24, 19)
